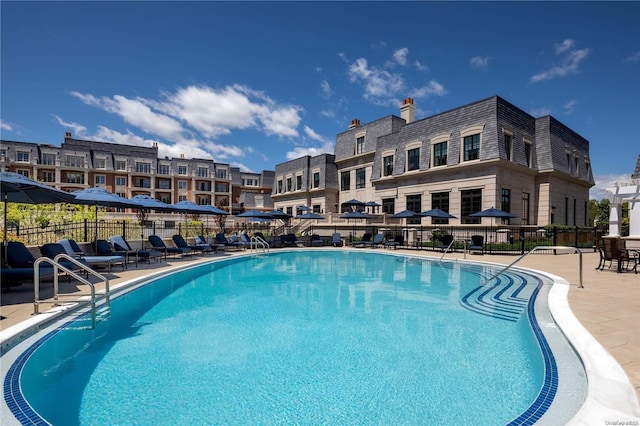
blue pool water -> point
(302, 337)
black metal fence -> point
(498, 240)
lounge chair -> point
(336, 239)
(202, 241)
(477, 244)
(366, 239)
(316, 240)
(159, 245)
(228, 245)
(445, 242)
(378, 241)
(398, 240)
(73, 249)
(17, 268)
(103, 248)
(120, 244)
(179, 241)
(51, 250)
(290, 240)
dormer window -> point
(360, 145)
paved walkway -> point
(608, 306)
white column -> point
(615, 215)
(634, 217)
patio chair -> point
(445, 242)
(105, 249)
(290, 240)
(612, 252)
(17, 268)
(316, 240)
(228, 245)
(159, 245)
(336, 239)
(73, 249)
(378, 241)
(477, 244)
(397, 242)
(180, 242)
(202, 241)
(120, 244)
(366, 239)
(51, 250)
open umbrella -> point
(256, 214)
(373, 205)
(310, 216)
(406, 214)
(437, 213)
(353, 204)
(98, 196)
(147, 202)
(493, 212)
(15, 188)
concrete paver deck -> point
(608, 306)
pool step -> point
(82, 320)
(507, 299)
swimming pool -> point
(325, 336)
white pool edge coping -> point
(610, 400)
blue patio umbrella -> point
(406, 214)
(147, 202)
(99, 196)
(438, 213)
(256, 214)
(493, 212)
(279, 214)
(372, 204)
(353, 204)
(354, 215)
(15, 188)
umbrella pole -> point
(5, 244)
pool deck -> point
(608, 306)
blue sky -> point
(254, 84)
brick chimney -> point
(67, 135)
(354, 123)
(408, 110)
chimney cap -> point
(67, 135)
(407, 101)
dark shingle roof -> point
(636, 173)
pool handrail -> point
(554, 248)
(257, 241)
(464, 244)
(55, 262)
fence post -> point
(521, 240)
(124, 229)
(86, 229)
(576, 233)
(555, 236)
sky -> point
(255, 84)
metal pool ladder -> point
(55, 262)
(258, 243)
(554, 248)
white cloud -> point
(564, 46)
(400, 56)
(385, 88)
(327, 91)
(633, 58)
(602, 182)
(540, 111)
(313, 135)
(571, 59)
(479, 62)
(5, 125)
(570, 106)
(78, 130)
(420, 66)
(326, 147)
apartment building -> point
(485, 154)
(251, 190)
(122, 169)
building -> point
(251, 191)
(122, 169)
(485, 154)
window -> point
(140, 182)
(121, 165)
(23, 172)
(48, 176)
(121, 181)
(100, 179)
(299, 182)
(527, 153)
(22, 157)
(182, 198)
(388, 205)
(440, 154)
(143, 167)
(279, 186)
(290, 211)
(440, 200)
(471, 147)
(360, 145)
(587, 166)
(289, 184)
(203, 171)
(163, 169)
(471, 202)
(74, 161)
(222, 187)
(413, 159)
(345, 181)
(505, 201)
(164, 184)
(316, 208)
(75, 178)
(49, 159)
(577, 160)
(387, 168)
(182, 184)
(414, 204)
(182, 170)
(100, 163)
(508, 144)
(204, 186)
(221, 174)
(316, 179)
(526, 206)
(259, 200)
(360, 178)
